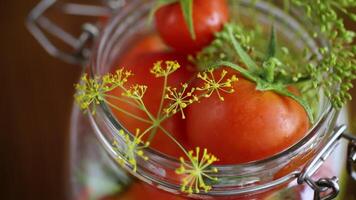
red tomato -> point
(149, 43)
(208, 18)
(141, 69)
(249, 125)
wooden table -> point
(35, 103)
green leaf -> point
(241, 52)
(272, 45)
(236, 67)
(187, 9)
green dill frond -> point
(335, 72)
(197, 171)
(134, 148)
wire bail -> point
(40, 26)
(328, 188)
(351, 155)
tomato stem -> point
(187, 9)
(264, 76)
(246, 59)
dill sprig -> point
(94, 91)
(197, 171)
(135, 146)
(335, 72)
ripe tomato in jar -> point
(248, 125)
(208, 18)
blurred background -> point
(36, 97)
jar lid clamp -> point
(37, 23)
(328, 188)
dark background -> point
(35, 103)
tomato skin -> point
(208, 18)
(248, 125)
(147, 44)
(141, 67)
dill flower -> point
(197, 171)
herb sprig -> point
(336, 70)
(94, 91)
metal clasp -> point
(38, 24)
(328, 188)
(351, 155)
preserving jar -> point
(298, 172)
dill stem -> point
(174, 140)
(146, 131)
(128, 113)
(122, 100)
(141, 105)
(162, 98)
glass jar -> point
(295, 173)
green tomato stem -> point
(187, 9)
(250, 64)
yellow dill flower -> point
(180, 99)
(88, 91)
(170, 66)
(118, 79)
(92, 90)
(134, 148)
(211, 84)
(136, 91)
(197, 171)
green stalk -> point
(238, 68)
(272, 45)
(250, 64)
(187, 9)
(128, 113)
